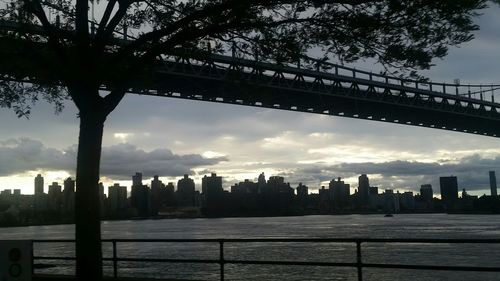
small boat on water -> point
(389, 215)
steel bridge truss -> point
(343, 92)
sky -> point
(171, 137)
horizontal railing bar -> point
(297, 263)
(304, 263)
(214, 261)
(55, 258)
(299, 240)
(431, 267)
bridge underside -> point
(339, 100)
(235, 81)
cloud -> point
(121, 160)
(117, 162)
(471, 171)
(24, 154)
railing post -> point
(32, 259)
(115, 262)
(358, 260)
(221, 259)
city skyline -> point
(361, 186)
(271, 196)
(179, 136)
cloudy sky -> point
(171, 137)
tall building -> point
(302, 191)
(426, 192)
(38, 184)
(363, 190)
(157, 194)
(493, 183)
(211, 185)
(137, 179)
(374, 190)
(449, 191)
(261, 183)
(139, 196)
(245, 187)
(185, 191)
(55, 196)
(69, 185)
(69, 195)
(117, 197)
(339, 191)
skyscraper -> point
(211, 185)
(185, 191)
(38, 184)
(493, 183)
(139, 195)
(69, 186)
(449, 191)
(340, 192)
(69, 195)
(426, 192)
(302, 191)
(137, 179)
(363, 190)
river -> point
(347, 226)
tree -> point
(64, 51)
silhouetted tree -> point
(58, 49)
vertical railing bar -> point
(115, 262)
(221, 259)
(32, 259)
(358, 260)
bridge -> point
(340, 91)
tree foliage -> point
(86, 49)
(52, 49)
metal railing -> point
(359, 265)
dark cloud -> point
(118, 161)
(471, 171)
(24, 154)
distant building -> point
(139, 196)
(245, 187)
(38, 184)
(211, 185)
(55, 196)
(137, 179)
(373, 190)
(449, 191)
(69, 195)
(157, 194)
(339, 191)
(391, 201)
(426, 192)
(185, 192)
(407, 201)
(363, 190)
(117, 197)
(302, 191)
(493, 183)
(261, 183)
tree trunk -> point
(87, 198)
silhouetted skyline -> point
(271, 196)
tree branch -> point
(105, 32)
(82, 22)
(113, 99)
(105, 19)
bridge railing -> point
(222, 260)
